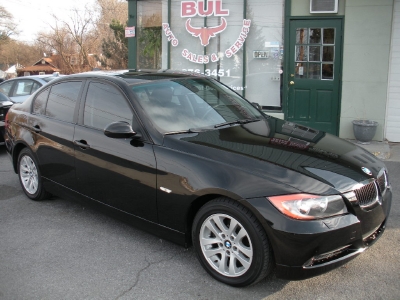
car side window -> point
(62, 100)
(23, 88)
(105, 104)
(39, 105)
(6, 87)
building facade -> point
(319, 63)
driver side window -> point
(105, 104)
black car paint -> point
(246, 163)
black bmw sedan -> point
(190, 160)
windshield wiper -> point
(243, 121)
(181, 131)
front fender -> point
(183, 177)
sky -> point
(33, 16)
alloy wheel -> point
(226, 245)
(29, 175)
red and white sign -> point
(205, 33)
(193, 8)
(190, 9)
(130, 31)
(168, 33)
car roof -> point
(139, 76)
(33, 77)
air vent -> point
(323, 6)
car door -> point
(53, 121)
(117, 172)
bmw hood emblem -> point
(366, 171)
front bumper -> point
(303, 249)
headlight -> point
(309, 207)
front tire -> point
(230, 243)
(29, 176)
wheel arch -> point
(192, 211)
(15, 154)
(202, 200)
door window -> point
(315, 53)
(25, 87)
(105, 104)
(62, 100)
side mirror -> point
(119, 130)
(256, 105)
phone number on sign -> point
(208, 72)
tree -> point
(111, 26)
(115, 48)
(82, 32)
(16, 52)
(74, 41)
(61, 44)
(109, 10)
(7, 26)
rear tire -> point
(30, 177)
(230, 243)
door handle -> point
(291, 82)
(82, 144)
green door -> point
(315, 53)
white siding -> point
(392, 130)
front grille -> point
(372, 191)
(367, 194)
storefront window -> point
(238, 42)
(264, 53)
(149, 34)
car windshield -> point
(193, 103)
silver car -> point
(20, 88)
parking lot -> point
(60, 249)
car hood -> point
(284, 150)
